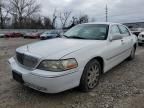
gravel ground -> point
(121, 87)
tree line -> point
(25, 14)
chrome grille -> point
(26, 60)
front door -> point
(114, 49)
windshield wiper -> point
(76, 37)
(65, 36)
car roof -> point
(107, 23)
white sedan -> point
(77, 59)
(141, 39)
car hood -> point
(56, 48)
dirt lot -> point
(121, 87)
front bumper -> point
(140, 40)
(48, 82)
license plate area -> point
(17, 76)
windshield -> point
(88, 31)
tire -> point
(132, 55)
(42, 38)
(91, 75)
(140, 44)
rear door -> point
(127, 40)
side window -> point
(114, 29)
(124, 30)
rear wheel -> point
(91, 75)
(132, 55)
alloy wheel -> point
(93, 75)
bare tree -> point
(64, 16)
(78, 20)
(47, 23)
(54, 17)
(21, 9)
(3, 13)
(83, 19)
(74, 21)
(50, 22)
(1, 16)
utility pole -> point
(106, 13)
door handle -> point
(122, 41)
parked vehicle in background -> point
(13, 34)
(18, 34)
(36, 34)
(141, 39)
(77, 59)
(2, 35)
(136, 32)
(33, 35)
(27, 35)
(49, 34)
(9, 34)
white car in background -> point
(141, 39)
(2, 35)
(49, 35)
(77, 59)
(33, 35)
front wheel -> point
(132, 55)
(91, 75)
(140, 44)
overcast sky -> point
(118, 10)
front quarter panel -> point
(84, 55)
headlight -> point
(140, 36)
(58, 65)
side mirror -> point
(116, 37)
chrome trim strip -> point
(118, 54)
(53, 76)
(28, 68)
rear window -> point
(124, 30)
